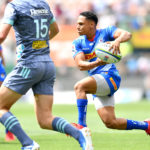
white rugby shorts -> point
(103, 90)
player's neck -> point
(91, 37)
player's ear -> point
(92, 24)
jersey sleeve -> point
(111, 31)
(52, 20)
(9, 14)
(76, 48)
(0, 48)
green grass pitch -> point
(103, 138)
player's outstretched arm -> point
(120, 36)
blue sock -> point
(82, 110)
(11, 123)
(61, 125)
(131, 124)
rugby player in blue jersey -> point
(103, 80)
(9, 136)
(34, 25)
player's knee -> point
(42, 124)
(78, 87)
(45, 122)
(4, 107)
(109, 123)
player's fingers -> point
(111, 47)
(113, 51)
(116, 50)
(119, 51)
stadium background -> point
(134, 68)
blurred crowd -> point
(131, 14)
(127, 14)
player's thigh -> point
(7, 98)
(43, 107)
(87, 84)
(104, 101)
(103, 88)
(46, 84)
(106, 114)
(105, 107)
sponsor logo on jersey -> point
(39, 44)
(85, 49)
(113, 83)
(91, 44)
(90, 56)
(37, 12)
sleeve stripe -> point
(77, 54)
(53, 20)
(8, 21)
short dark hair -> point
(90, 15)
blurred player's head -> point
(86, 23)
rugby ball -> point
(102, 52)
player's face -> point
(83, 25)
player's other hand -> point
(115, 47)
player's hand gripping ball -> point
(102, 52)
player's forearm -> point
(2, 38)
(84, 66)
(124, 36)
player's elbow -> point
(54, 33)
(81, 68)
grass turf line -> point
(103, 138)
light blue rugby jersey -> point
(82, 44)
(31, 20)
